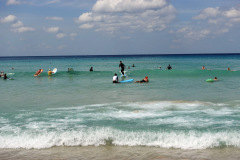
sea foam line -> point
(102, 136)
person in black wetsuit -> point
(5, 76)
(169, 67)
(91, 69)
(122, 67)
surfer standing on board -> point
(122, 67)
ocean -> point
(83, 115)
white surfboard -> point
(122, 74)
(54, 71)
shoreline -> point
(110, 152)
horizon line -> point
(92, 55)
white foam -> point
(168, 124)
(98, 136)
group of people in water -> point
(169, 67)
(215, 78)
(122, 67)
(115, 77)
(204, 68)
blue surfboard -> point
(128, 80)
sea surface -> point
(176, 115)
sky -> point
(118, 27)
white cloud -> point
(184, 30)
(212, 22)
(192, 33)
(23, 29)
(219, 16)
(58, 32)
(61, 35)
(54, 18)
(86, 26)
(53, 1)
(110, 16)
(88, 17)
(52, 29)
(17, 24)
(9, 19)
(215, 21)
(127, 5)
(232, 13)
(13, 2)
(208, 12)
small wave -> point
(109, 136)
(167, 124)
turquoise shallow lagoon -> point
(176, 110)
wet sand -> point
(120, 153)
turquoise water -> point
(176, 109)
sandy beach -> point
(120, 153)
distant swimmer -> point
(160, 67)
(230, 69)
(133, 65)
(215, 79)
(50, 72)
(122, 66)
(2, 74)
(203, 68)
(143, 81)
(169, 67)
(91, 69)
(70, 70)
(115, 78)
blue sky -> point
(116, 27)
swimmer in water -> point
(143, 81)
(169, 67)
